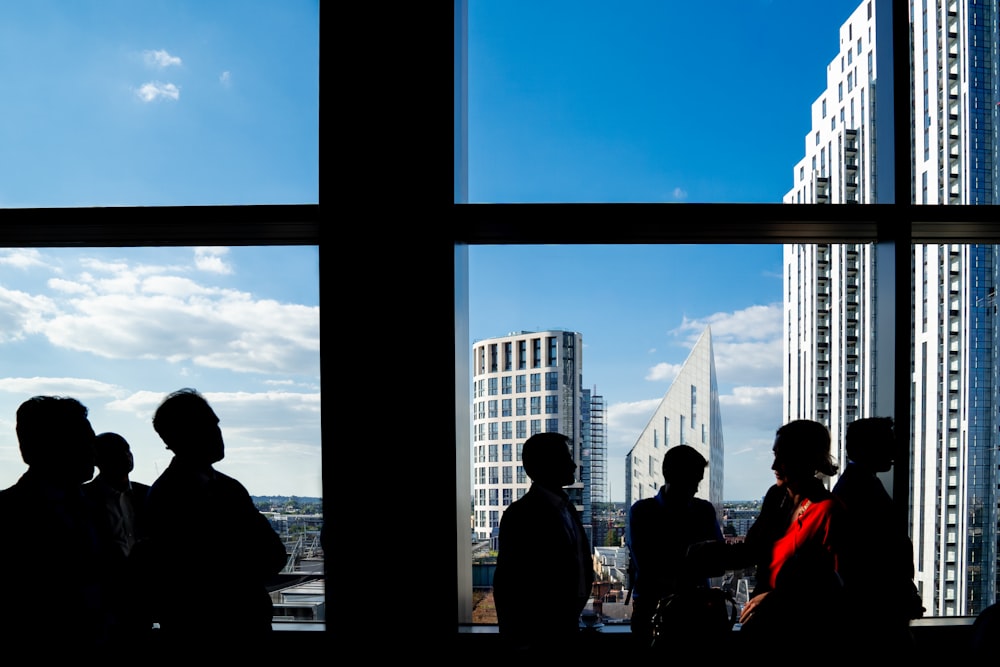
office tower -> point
(522, 384)
(830, 299)
(688, 414)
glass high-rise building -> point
(829, 290)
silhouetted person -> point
(803, 592)
(661, 529)
(50, 560)
(544, 566)
(876, 562)
(123, 498)
(119, 503)
(209, 551)
(798, 599)
(984, 637)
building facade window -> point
(551, 380)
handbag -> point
(694, 614)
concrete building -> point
(830, 312)
(522, 384)
(688, 414)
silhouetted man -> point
(544, 566)
(50, 560)
(877, 561)
(119, 504)
(210, 550)
(112, 489)
(661, 529)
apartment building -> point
(830, 307)
(522, 384)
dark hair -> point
(541, 451)
(44, 422)
(810, 445)
(174, 413)
(683, 463)
(869, 436)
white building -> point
(522, 384)
(830, 310)
(688, 414)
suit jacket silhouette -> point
(544, 570)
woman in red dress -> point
(799, 590)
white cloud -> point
(22, 313)
(160, 59)
(21, 258)
(211, 260)
(752, 323)
(226, 79)
(746, 343)
(625, 422)
(68, 286)
(56, 386)
(679, 194)
(663, 371)
(153, 90)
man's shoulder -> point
(644, 505)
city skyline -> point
(641, 331)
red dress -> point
(814, 529)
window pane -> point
(119, 328)
(159, 104)
(587, 102)
(644, 317)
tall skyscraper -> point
(688, 414)
(527, 383)
(829, 291)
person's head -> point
(189, 427)
(56, 438)
(683, 469)
(548, 460)
(801, 451)
(871, 442)
(114, 456)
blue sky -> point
(646, 102)
(156, 102)
(643, 101)
(146, 103)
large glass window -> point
(849, 267)
(160, 229)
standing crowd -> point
(829, 562)
(94, 564)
